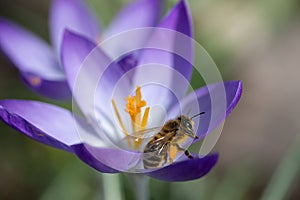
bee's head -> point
(187, 124)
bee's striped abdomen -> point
(155, 155)
(156, 152)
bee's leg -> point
(172, 153)
(174, 149)
(166, 154)
(165, 159)
(187, 153)
(179, 148)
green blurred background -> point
(256, 41)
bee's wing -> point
(146, 133)
(143, 136)
(156, 145)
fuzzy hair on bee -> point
(164, 146)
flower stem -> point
(140, 185)
(111, 187)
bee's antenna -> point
(198, 115)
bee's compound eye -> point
(188, 125)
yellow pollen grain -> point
(133, 108)
(130, 108)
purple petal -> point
(165, 45)
(178, 20)
(109, 160)
(155, 80)
(45, 123)
(124, 33)
(128, 61)
(89, 159)
(28, 52)
(93, 80)
(186, 170)
(139, 14)
(52, 89)
(73, 15)
(75, 49)
(201, 101)
(35, 59)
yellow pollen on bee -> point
(134, 105)
(193, 123)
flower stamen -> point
(133, 108)
(134, 105)
(145, 118)
(120, 121)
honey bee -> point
(165, 145)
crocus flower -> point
(39, 63)
(107, 121)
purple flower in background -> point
(95, 137)
(39, 63)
